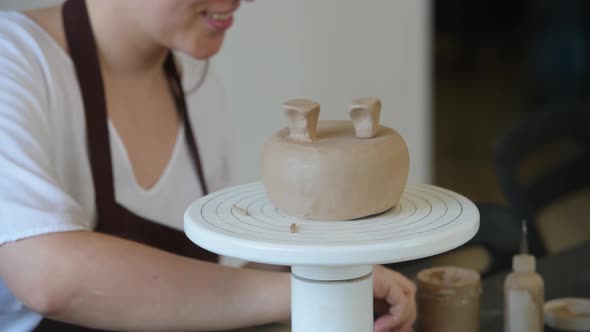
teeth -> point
(220, 16)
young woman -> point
(99, 158)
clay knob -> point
(303, 119)
(364, 113)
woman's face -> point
(195, 27)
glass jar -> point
(448, 300)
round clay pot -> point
(327, 172)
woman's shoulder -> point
(49, 20)
(31, 35)
(34, 77)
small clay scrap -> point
(241, 211)
(293, 228)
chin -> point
(201, 51)
(201, 55)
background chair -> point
(542, 159)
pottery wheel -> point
(331, 261)
(428, 220)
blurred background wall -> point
(26, 4)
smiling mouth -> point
(219, 20)
(220, 16)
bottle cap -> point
(523, 263)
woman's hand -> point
(399, 294)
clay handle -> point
(303, 119)
(364, 113)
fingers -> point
(387, 288)
(406, 284)
(399, 293)
(409, 289)
(385, 323)
(389, 323)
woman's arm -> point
(105, 282)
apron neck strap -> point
(84, 54)
(82, 49)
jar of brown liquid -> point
(448, 300)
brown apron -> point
(113, 218)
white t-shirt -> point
(45, 178)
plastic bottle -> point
(524, 294)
